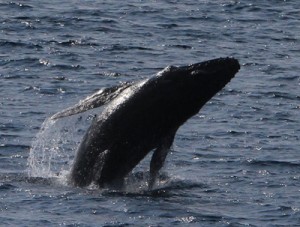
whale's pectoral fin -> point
(159, 157)
(93, 101)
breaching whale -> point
(140, 117)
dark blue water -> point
(236, 163)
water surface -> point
(236, 163)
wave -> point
(72, 42)
(13, 44)
(15, 5)
(273, 163)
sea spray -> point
(53, 149)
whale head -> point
(217, 72)
(207, 77)
(193, 85)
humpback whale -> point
(140, 117)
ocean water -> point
(236, 163)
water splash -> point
(52, 151)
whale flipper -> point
(158, 158)
(95, 100)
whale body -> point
(141, 117)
